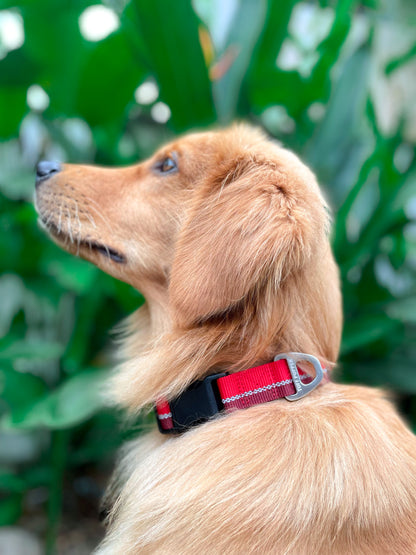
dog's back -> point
(334, 474)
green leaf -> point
(108, 79)
(388, 216)
(329, 50)
(12, 109)
(10, 509)
(11, 349)
(18, 69)
(18, 389)
(393, 374)
(11, 482)
(79, 345)
(71, 273)
(274, 32)
(176, 60)
(76, 400)
(403, 310)
(328, 146)
(365, 330)
(398, 252)
(57, 49)
(245, 30)
(268, 85)
(401, 60)
(11, 292)
(271, 87)
(340, 241)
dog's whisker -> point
(79, 230)
(60, 219)
(48, 215)
(78, 221)
(97, 209)
(69, 227)
(103, 219)
(91, 220)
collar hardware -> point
(203, 399)
(194, 406)
(302, 387)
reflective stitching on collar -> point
(254, 391)
(164, 416)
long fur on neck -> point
(161, 360)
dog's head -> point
(217, 227)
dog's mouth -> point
(77, 244)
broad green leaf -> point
(107, 80)
(37, 475)
(341, 221)
(10, 509)
(329, 50)
(245, 30)
(398, 62)
(101, 438)
(17, 389)
(398, 252)
(11, 482)
(365, 330)
(71, 273)
(176, 60)
(365, 297)
(58, 50)
(12, 109)
(403, 310)
(11, 292)
(20, 241)
(392, 374)
(29, 349)
(76, 400)
(388, 216)
(328, 147)
(269, 85)
(18, 69)
(23, 4)
(79, 344)
(274, 31)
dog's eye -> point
(167, 165)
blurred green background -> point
(108, 83)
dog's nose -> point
(45, 169)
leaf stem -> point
(60, 440)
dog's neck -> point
(163, 359)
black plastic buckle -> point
(195, 405)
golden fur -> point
(231, 251)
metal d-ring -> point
(302, 389)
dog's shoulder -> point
(278, 477)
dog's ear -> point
(257, 221)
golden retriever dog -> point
(227, 236)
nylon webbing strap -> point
(253, 386)
(164, 415)
(240, 390)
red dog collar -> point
(219, 392)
